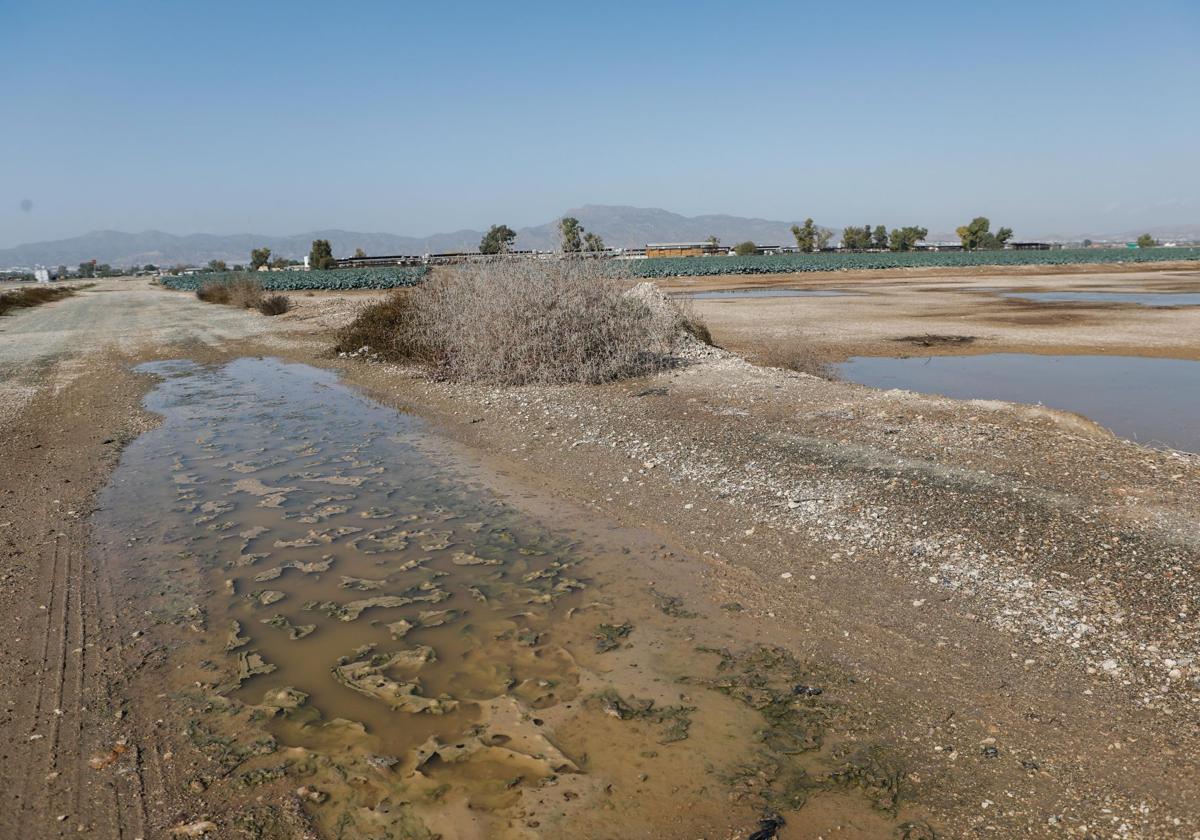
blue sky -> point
(418, 118)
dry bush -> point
(385, 329)
(33, 296)
(212, 291)
(245, 293)
(515, 322)
(242, 292)
(274, 304)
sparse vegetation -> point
(241, 292)
(213, 291)
(745, 249)
(385, 329)
(274, 304)
(34, 296)
(515, 323)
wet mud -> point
(349, 621)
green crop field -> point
(294, 281)
(790, 263)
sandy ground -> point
(879, 313)
(1012, 588)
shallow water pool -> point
(1154, 299)
(1151, 401)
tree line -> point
(572, 238)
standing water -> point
(418, 659)
(1152, 401)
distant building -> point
(1029, 246)
(683, 249)
(42, 275)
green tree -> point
(745, 249)
(1146, 241)
(571, 234)
(592, 242)
(87, 269)
(1087, 243)
(217, 265)
(149, 267)
(856, 238)
(978, 235)
(906, 238)
(713, 240)
(497, 240)
(359, 254)
(880, 238)
(259, 257)
(823, 238)
(321, 255)
(806, 236)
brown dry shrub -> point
(384, 329)
(33, 296)
(242, 292)
(213, 291)
(517, 322)
(274, 304)
(245, 292)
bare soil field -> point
(990, 608)
(891, 315)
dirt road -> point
(1010, 591)
(67, 404)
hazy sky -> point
(417, 118)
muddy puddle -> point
(1152, 401)
(1152, 299)
(349, 616)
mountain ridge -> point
(619, 225)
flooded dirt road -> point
(363, 622)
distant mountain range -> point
(623, 227)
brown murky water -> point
(381, 633)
